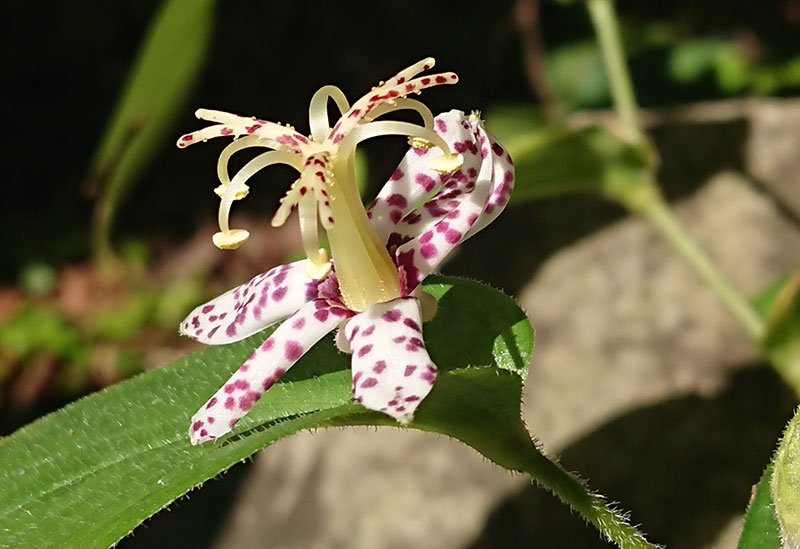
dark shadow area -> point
(12, 417)
(682, 467)
(194, 520)
(520, 240)
(693, 151)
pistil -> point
(366, 273)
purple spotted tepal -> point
(454, 180)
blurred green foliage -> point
(554, 160)
(39, 328)
(36, 328)
(679, 66)
(168, 63)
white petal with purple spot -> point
(251, 307)
(467, 202)
(392, 371)
(502, 183)
(412, 181)
(266, 365)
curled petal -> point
(502, 184)
(392, 371)
(266, 365)
(251, 307)
(413, 180)
(470, 199)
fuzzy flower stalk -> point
(454, 180)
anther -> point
(230, 240)
(419, 143)
(446, 163)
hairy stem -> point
(494, 428)
(513, 449)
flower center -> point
(326, 191)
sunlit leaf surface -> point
(85, 476)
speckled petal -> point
(392, 371)
(413, 181)
(502, 184)
(469, 200)
(265, 366)
(251, 307)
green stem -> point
(494, 428)
(605, 25)
(102, 251)
(659, 213)
(519, 453)
(647, 199)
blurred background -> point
(641, 380)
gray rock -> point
(623, 325)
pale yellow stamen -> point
(326, 191)
(318, 110)
(230, 240)
(319, 269)
(318, 265)
(404, 103)
(446, 163)
(238, 194)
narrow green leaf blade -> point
(88, 474)
(166, 67)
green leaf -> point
(167, 65)
(88, 474)
(785, 483)
(760, 529)
(690, 60)
(550, 160)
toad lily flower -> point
(454, 180)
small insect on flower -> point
(454, 180)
